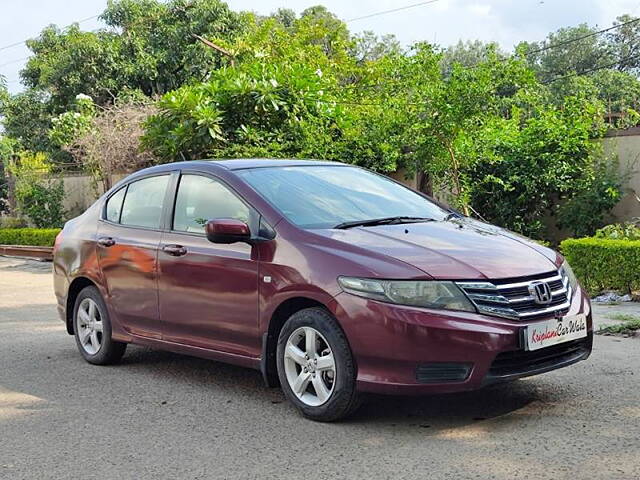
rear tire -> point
(316, 367)
(92, 329)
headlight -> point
(567, 271)
(422, 293)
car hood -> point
(458, 249)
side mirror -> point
(227, 230)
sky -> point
(444, 22)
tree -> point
(104, 140)
(294, 92)
(469, 54)
(368, 47)
(26, 118)
(624, 43)
(561, 53)
(285, 16)
(542, 161)
(448, 111)
(149, 46)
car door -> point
(208, 292)
(127, 248)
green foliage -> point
(12, 222)
(283, 99)
(36, 237)
(567, 55)
(27, 119)
(38, 197)
(7, 151)
(620, 231)
(149, 47)
(368, 47)
(543, 162)
(630, 323)
(481, 127)
(604, 264)
(42, 203)
(469, 54)
(595, 193)
(623, 43)
(255, 111)
(618, 86)
(68, 126)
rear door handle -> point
(106, 242)
(175, 250)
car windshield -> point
(327, 196)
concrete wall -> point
(80, 191)
(625, 146)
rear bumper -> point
(405, 350)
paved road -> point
(160, 415)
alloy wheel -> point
(309, 366)
(90, 327)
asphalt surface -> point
(160, 415)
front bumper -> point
(392, 344)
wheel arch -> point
(280, 315)
(77, 285)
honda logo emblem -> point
(541, 292)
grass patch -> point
(630, 323)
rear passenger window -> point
(201, 199)
(114, 206)
(143, 202)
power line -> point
(25, 41)
(591, 70)
(582, 37)
(385, 12)
(14, 61)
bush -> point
(12, 222)
(620, 231)
(39, 198)
(36, 237)
(42, 203)
(604, 264)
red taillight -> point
(58, 241)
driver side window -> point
(200, 199)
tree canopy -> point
(506, 137)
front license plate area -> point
(555, 331)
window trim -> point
(168, 189)
(254, 215)
(106, 206)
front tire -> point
(92, 329)
(315, 366)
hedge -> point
(37, 237)
(604, 264)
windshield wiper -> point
(451, 216)
(382, 221)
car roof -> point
(244, 163)
(230, 165)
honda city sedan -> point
(331, 280)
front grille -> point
(520, 363)
(511, 298)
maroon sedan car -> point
(331, 280)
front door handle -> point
(106, 242)
(175, 250)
